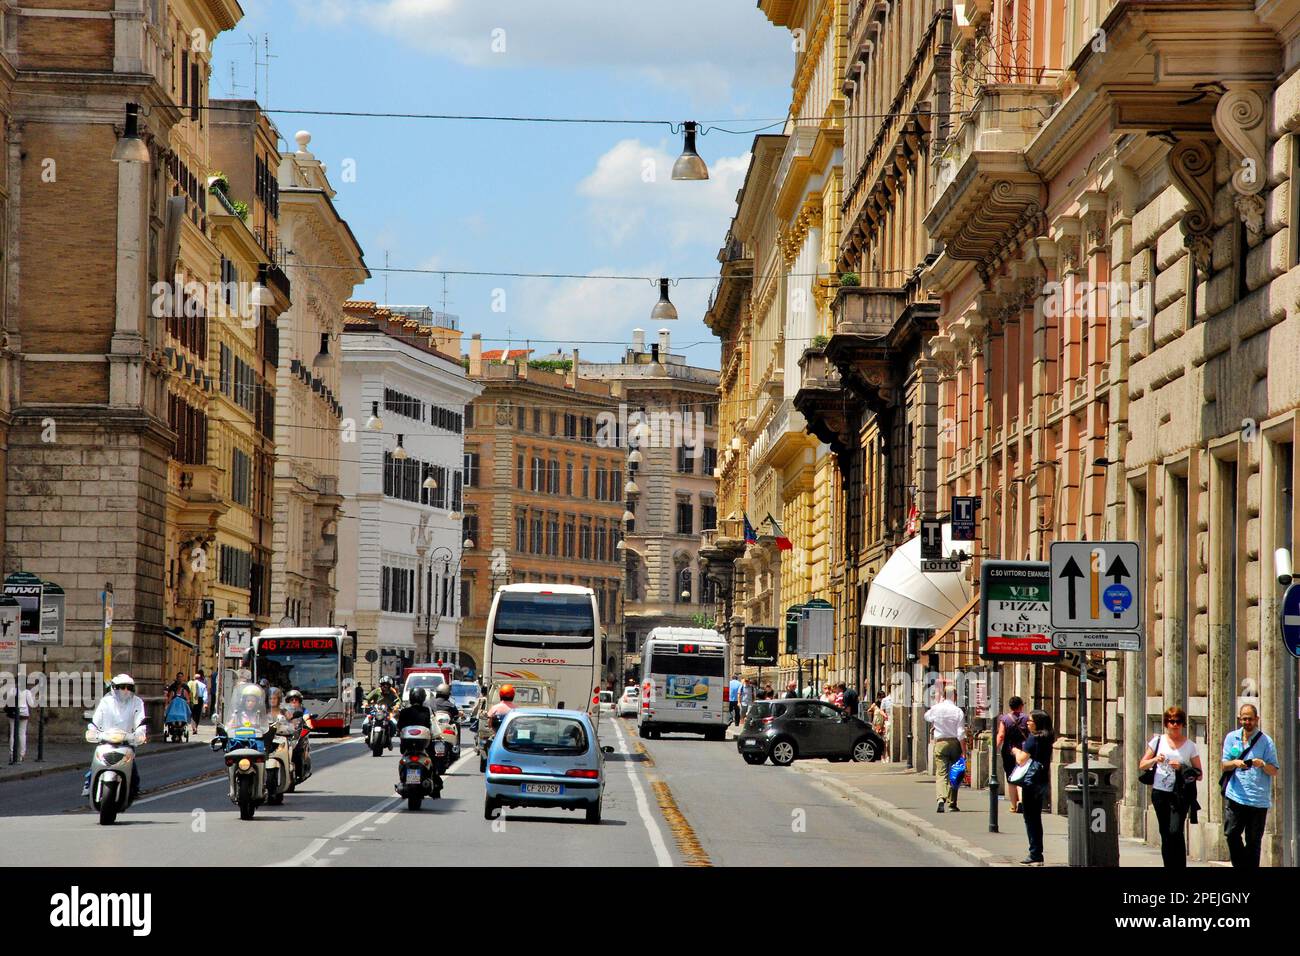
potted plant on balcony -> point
(850, 279)
(219, 182)
(819, 343)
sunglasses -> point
(1174, 722)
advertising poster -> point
(1016, 611)
(683, 687)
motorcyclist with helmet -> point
(250, 711)
(502, 706)
(415, 714)
(120, 709)
(442, 701)
(385, 693)
(295, 711)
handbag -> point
(1226, 777)
(11, 711)
(1148, 776)
(1026, 774)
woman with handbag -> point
(1032, 772)
(1159, 766)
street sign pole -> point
(45, 701)
(1083, 742)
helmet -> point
(507, 691)
(274, 693)
(417, 696)
(385, 681)
(442, 691)
(123, 681)
(294, 694)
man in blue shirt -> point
(1249, 753)
(733, 698)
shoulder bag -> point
(1027, 774)
(1148, 776)
(1226, 777)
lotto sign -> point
(1016, 611)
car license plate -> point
(412, 777)
(687, 703)
(544, 788)
(751, 744)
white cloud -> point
(708, 49)
(631, 193)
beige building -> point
(675, 500)
(309, 420)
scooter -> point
(378, 728)
(301, 754)
(417, 773)
(245, 752)
(446, 750)
(279, 762)
(110, 772)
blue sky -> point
(526, 197)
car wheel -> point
(783, 752)
(754, 759)
(482, 764)
(593, 812)
(866, 750)
(489, 808)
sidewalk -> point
(75, 755)
(906, 798)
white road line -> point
(339, 851)
(643, 805)
(306, 856)
(223, 778)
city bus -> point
(683, 683)
(546, 632)
(310, 659)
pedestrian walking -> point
(198, 700)
(18, 708)
(877, 715)
(849, 696)
(790, 690)
(1034, 755)
(733, 698)
(949, 730)
(1248, 768)
(746, 698)
(1166, 755)
(358, 695)
(1013, 726)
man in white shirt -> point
(24, 703)
(949, 731)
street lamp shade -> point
(261, 297)
(686, 595)
(634, 458)
(400, 454)
(430, 483)
(468, 544)
(374, 423)
(628, 517)
(131, 148)
(323, 358)
(621, 546)
(689, 165)
(454, 516)
(664, 310)
(630, 488)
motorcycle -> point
(446, 749)
(417, 773)
(301, 754)
(245, 749)
(378, 729)
(110, 772)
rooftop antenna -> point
(262, 63)
(444, 293)
(385, 278)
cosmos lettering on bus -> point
(299, 644)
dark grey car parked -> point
(794, 729)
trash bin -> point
(1102, 831)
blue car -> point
(546, 758)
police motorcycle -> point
(245, 740)
(279, 756)
(423, 750)
(116, 729)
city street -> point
(677, 801)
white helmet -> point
(123, 680)
(123, 687)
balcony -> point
(831, 415)
(986, 188)
(873, 330)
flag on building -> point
(750, 536)
(782, 542)
(913, 522)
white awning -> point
(902, 595)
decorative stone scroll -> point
(1240, 119)
(1191, 164)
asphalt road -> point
(677, 801)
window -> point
(586, 479)
(537, 420)
(457, 500)
(466, 592)
(519, 472)
(584, 542)
(399, 403)
(554, 423)
(600, 483)
(236, 569)
(241, 478)
(685, 516)
(553, 536)
(471, 469)
(546, 735)
(535, 540)
(570, 533)
(710, 460)
(682, 595)
(538, 476)
(568, 478)
(469, 421)
(708, 514)
(404, 479)
(570, 426)
(521, 531)
(397, 590)
(685, 463)
(601, 534)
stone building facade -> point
(676, 497)
(543, 491)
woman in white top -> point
(1167, 753)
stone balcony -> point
(873, 329)
(827, 408)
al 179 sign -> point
(1016, 611)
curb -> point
(82, 764)
(909, 821)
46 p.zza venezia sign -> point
(1016, 611)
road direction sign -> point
(963, 517)
(1291, 619)
(1096, 586)
(931, 539)
(1097, 640)
(1015, 611)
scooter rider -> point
(416, 714)
(385, 693)
(295, 711)
(442, 701)
(503, 706)
(120, 709)
(250, 710)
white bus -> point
(683, 683)
(546, 632)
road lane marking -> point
(643, 806)
(338, 851)
(306, 856)
(687, 843)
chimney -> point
(573, 372)
(664, 336)
(638, 340)
(476, 355)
